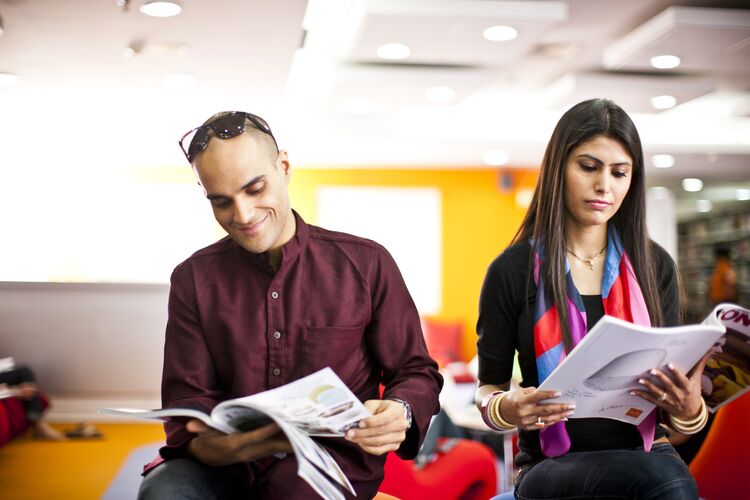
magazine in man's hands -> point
(319, 404)
(599, 373)
(727, 373)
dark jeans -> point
(188, 479)
(22, 374)
(614, 474)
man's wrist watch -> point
(407, 411)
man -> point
(273, 301)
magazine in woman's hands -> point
(599, 373)
(319, 404)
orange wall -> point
(478, 222)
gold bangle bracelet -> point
(496, 415)
(694, 420)
(693, 425)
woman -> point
(581, 245)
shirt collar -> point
(289, 251)
(293, 247)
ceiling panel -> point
(631, 92)
(449, 32)
(705, 39)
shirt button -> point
(276, 371)
(275, 295)
(277, 335)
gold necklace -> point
(590, 261)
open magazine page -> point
(313, 461)
(605, 366)
(320, 460)
(166, 414)
(727, 373)
(319, 404)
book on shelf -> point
(599, 373)
(319, 404)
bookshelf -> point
(696, 241)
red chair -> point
(722, 466)
(465, 471)
(443, 339)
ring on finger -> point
(662, 397)
(539, 420)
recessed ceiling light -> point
(495, 157)
(160, 9)
(659, 192)
(8, 78)
(179, 80)
(440, 94)
(743, 194)
(692, 184)
(662, 161)
(665, 61)
(393, 51)
(500, 33)
(663, 101)
(703, 206)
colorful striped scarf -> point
(622, 298)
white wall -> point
(661, 219)
(90, 345)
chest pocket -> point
(340, 347)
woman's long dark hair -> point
(545, 219)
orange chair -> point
(722, 466)
(464, 471)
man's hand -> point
(215, 448)
(384, 431)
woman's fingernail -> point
(671, 366)
(641, 381)
(557, 394)
(349, 434)
(565, 419)
(652, 372)
(571, 406)
(633, 393)
(569, 413)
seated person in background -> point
(275, 300)
(19, 381)
(583, 251)
(723, 284)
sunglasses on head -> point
(225, 126)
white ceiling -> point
(311, 69)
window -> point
(406, 221)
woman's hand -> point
(678, 394)
(525, 408)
